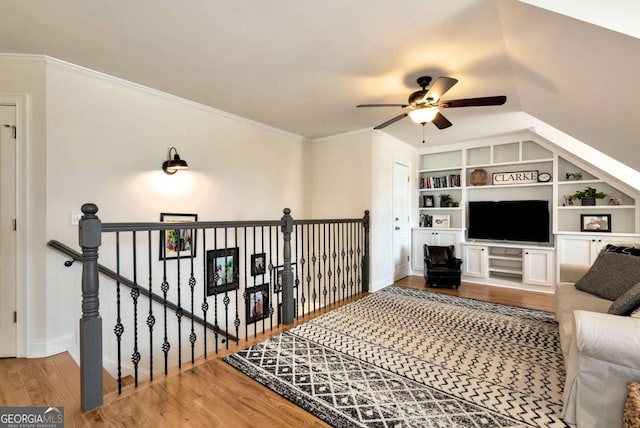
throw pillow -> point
(632, 406)
(611, 275)
(622, 249)
(627, 303)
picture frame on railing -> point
(257, 303)
(178, 242)
(595, 222)
(258, 262)
(222, 270)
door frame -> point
(409, 208)
(21, 104)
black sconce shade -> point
(172, 166)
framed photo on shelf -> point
(568, 201)
(595, 222)
(258, 264)
(174, 242)
(440, 220)
(222, 270)
(257, 303)
(428, 201)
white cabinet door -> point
(538, 267)
(474, 261)
(431, 237)
(584, 249)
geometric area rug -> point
(411, 358)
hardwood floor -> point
(212, 393)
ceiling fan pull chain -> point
(423, 133)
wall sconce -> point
(172, 166)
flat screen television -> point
(518, 221)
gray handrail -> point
(77, 257)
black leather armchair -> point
(441, 267)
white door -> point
(8, 326)
(401, 209)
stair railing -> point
(254, 278)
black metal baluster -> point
(314, 259)
(192, 285)
(278, 291)
(216, 327)
(166, 346)
(342, 253)
(359, 255)
(303, 299)
(332, 258)
(350, 258)
(297, 280)
(205, 303)
(179, 311)
(151, 320)
(135, 293)
(322, 277)
(226, 300)
(119, 328)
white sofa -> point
(601, 354)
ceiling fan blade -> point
(441, 122)
(382, 105)
(474, 102)
(442, 85)
(390, 121)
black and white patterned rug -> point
(410, 358)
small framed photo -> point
(595, 222)
(440, 220)
(176, 242)
(257, 303)
(615, 200)
(258, 264)
(222, 270)
(569, 201)
(428, 201)
(573, 176)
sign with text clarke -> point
(517, 177)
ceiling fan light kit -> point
(425, 105)
(423, 115)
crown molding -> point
(55, 62)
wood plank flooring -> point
(211, 394)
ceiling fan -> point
(424, 105)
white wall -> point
(98, 139)
(340, 184)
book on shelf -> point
(440, 182)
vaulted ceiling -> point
(303, 66)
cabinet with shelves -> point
(582, 249)
(618, 203)
(509, 265)
(525, 266)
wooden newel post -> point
(365, 257)
(91, 323)
(287, 274)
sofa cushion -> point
(624, 249)
(611, 275)
(627, 303)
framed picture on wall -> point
(257, 303)
(222, 270)
(177, 242)
(595, 222)
(258, 264)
